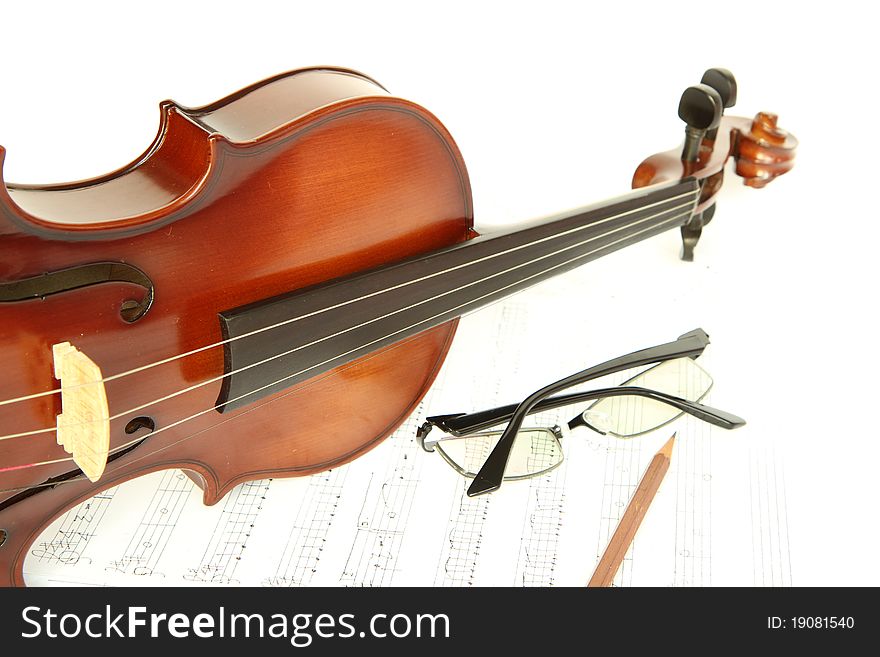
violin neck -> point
(297, 336)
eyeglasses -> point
(645, 402)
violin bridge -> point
(83, 427)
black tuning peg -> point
(700, 108)
(722, 81)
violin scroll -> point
(765, 152)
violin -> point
(271, 288)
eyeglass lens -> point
(629, 415)
(535, 451)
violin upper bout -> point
(763, 152)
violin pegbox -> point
(761, 151)
(764, 152)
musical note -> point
(229, 538)
(68, 539)
(385, 511)
(158, 522)
(316, 513)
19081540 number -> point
(822, 622)
(811, 622)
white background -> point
(553, 105)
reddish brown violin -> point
(272, 286)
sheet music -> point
(542, 525)
(400, 516)
(308, 534)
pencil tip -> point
(667, 448)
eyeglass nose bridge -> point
(429, 423)
(422, 437)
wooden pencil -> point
(632, 517)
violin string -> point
(254, 407)
(434, 298)
(274, 383)
(221, 343)
(140, 457)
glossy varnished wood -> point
(760, 150)
(169, 179)
(351, 180)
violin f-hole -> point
(140, 422)
(73, 278)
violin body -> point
(304, 178)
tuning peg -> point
(722, 81)
(700, 108)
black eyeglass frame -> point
(462, 425)
(491, 474)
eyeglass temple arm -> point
(460, 425)
(489, 477)
(708, 414)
